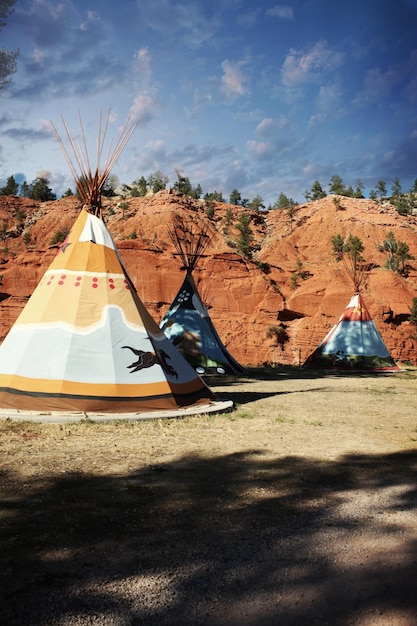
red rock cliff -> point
(292, 280)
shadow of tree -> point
(227, 540)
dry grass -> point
(240, 518)
(352, 413)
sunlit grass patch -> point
(382, 392)
(313, 422)
(282, 419)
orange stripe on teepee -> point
(41, 385)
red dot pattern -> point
(78, 280)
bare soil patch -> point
(299, 507)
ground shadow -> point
(246, 397)
(232, 540)
(282, 372)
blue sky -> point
(260, 96)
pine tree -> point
(257, 204)
(390, 245)
(337, 186)
(25, 189)
(7, 58)
(235, 197)
(139, 188)
(381, 189)
(359, 189)
(403, 255)
(317, 192)
(227, 221)
(214, 195)
(183, 184)
(338, 243)
(245, 239)
(11, 187)
(157, 181)
(396, 188)
(283, 202)
(40, 191)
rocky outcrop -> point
(292, 281)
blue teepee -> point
(354, 343)
(187, 322)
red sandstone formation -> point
(245, 298)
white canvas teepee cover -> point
(354, 343)
(85, 342)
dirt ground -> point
(297, 508)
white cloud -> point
(200, 99)
(379, 84)
(181, 19)
(92, 18)
(143, 59)
(317, 120)
(309, 66)
(329, 98)
(310, 169)
(276, 135)
(249, 18)
(46, 126)
(234, 81)
(264, 126)
(281, 11)
(38, 55)
(269, 126)
(258, 149)
(157, 148)
(143, 108)
(46, 174)
(58, 10)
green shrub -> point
(279, 333)
(264, 267)
(59, 236)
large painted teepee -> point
(84, 341)
(187, 322)
(354, 342)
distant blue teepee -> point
(354, 343)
